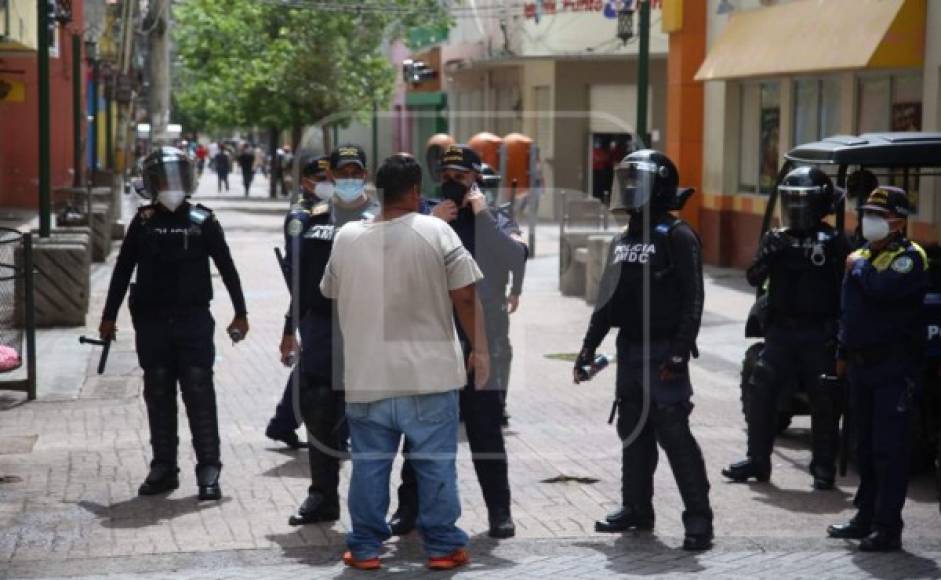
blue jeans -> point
(429, 424)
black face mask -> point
(453, 190)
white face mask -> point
(171, 199)
(324, 190)
(875, 228)
(349, 190)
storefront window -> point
(760, 128)
(770, 131)
(890, 103)
(816, 109)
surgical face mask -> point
(349, 189)
(453, 190)
(324, 190)
(171, 199)
(875, 228)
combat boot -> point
(881, 541)
(746, 469)
(624, 519)
(207, 478)
(501, 523)
(316, 508)
(161, 479)
(852, 530)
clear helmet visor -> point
(634, 184)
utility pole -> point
(643, 64)
(159, 19)
(43, 37)
(78, 115)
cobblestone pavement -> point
(69, 508)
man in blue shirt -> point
(881, 351)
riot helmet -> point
(807, 196)
(647, 179)
(168, 169)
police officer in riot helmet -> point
(170, 242)
(652, 290)
(488, 236)
(801, 265)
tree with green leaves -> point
(287, 64)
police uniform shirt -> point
(171, 252)
(883, 296)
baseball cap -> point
(316, 165)
(346, 154)
(885, 199)
(460, 157)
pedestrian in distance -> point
(801, 265)
(398, 282)
(246, 161)
(652, 289)
(222, 165)
(881, 352)
(170, 243)
(490, 238)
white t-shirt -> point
(391, 280)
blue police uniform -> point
(882, 339)
(319, 370)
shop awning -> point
(812, 36)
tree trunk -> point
(273, 153)
(328, 144)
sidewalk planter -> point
(571, 268)
(62, 280)
(594, 266)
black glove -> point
(584, 359)
(675, 363)
(773, 242)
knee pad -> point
(159, 382)
(196, 382)
(763, 376)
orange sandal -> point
(453, 560)
(370, 564)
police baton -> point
(105, 349)
(282, 263)
(832, 383)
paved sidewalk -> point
(73, 510)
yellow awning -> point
(809, 36)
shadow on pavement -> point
(141, 512)
(808, 501)
(633, 552)
(896, 565)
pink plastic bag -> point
(9, 358)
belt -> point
(873, 355)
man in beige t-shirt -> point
(397, 282)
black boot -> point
(852, 530)
(160, 398)
(199, 396)
(289, 438)
(403, 521)
(624, 519)
(316, 508)
(501, 523)
(747, 469)
(207, 478)
(689, 471)
(825, 434)
(161, 479)
(881, 541)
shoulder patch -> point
(295, 227)
(320, 209)
(903, 264)
(200, 214)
